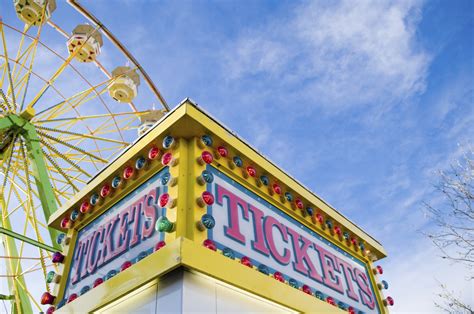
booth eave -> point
(188, 120)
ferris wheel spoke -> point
(78, 135)
(22, 284)
(21, 55)
(51, 160)
(32, 46)
(16, 283)
(57, 140)
(52, 169)
(25, 80)
(62, 156)
(6, 102)
(4, 71)
(9, 73)
(75, 100)
(97, 116)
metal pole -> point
(27, 240)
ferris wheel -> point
(71, 98)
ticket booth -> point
(191, 218)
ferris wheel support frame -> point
(28, 132)
(21, 126)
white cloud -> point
(349, 53)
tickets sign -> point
(252, 227)
(124, 233)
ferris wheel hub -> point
(28, 113)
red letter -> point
(271, 222)
(93, 254)
(108, 241)
(259, 243)
(233, 203)
(78, 262)
(124, 236)
(134, 216)
(85, 250)
(149, 210)
(301, 256)
(364, 289)
(331, 279)
(347, 268)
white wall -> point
(182, 291)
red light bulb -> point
(246, 261)
(50, 310)
(378, 269)
(320, 218)
(251, 171)
(306, 289)
(276, 188)
(128, 172)
(153, 153)
(85, 206)
(299, 203)
(47, 298)
(97, 282)
(164, 199)
(389, 301)
(209, 244)
(338, 230)
(351, 310)
(65, 222)
(159, 245)
(105, 190)
(206, 199)
(72, 297)
(222, 151)
(279, 276)
(125, 265)
(166, 159)
(206, 157)
(330, 300)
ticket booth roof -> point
(187, 121)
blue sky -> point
(361, 101)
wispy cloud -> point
(339, 55)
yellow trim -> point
(232, 272)
(148, 269)
(183, 252)
(63, 270)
